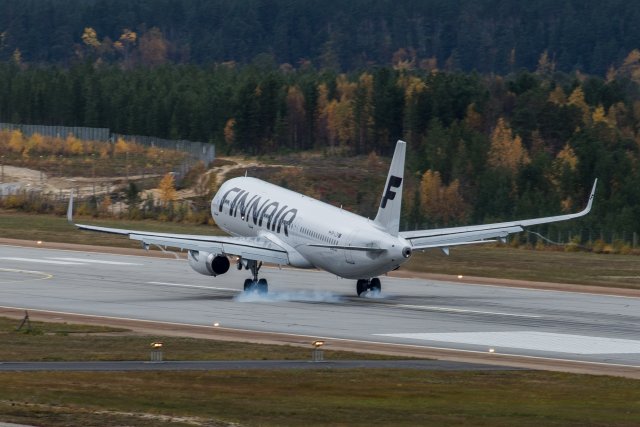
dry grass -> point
(72, 342)
(545, 266)
(320, 398)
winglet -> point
(591, 196)
(70, 209)
(388, 216)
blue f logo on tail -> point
(389, 194)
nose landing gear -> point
(372, 285)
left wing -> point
(454, 236)
(253, 248)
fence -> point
(89, 134)
(198, 151)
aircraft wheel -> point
(375, 285)
(262, 287)
(361, 286)
(248, 285)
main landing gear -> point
(372, 285)
(256, 285)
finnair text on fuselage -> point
(277, 219)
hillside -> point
(490, 36)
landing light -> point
(492, 350)
(216, 324)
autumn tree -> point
(577, 100)
(153, 48)
(506, 151)
(167, 189)
(16, 142)
(563, 175)
(441, 204)
(295, 118)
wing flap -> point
(461, 238)
(258, 249)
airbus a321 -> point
(270, 224)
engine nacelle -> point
(208, 264)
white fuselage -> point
(249, 207)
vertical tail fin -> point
(388, 216)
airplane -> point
(271, 224)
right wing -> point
(466, 235)
(253, 248)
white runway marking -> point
(181, 285)
(529, 340)
(95, 261)
(460, 310)
(40, 261)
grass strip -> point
(320, 398)
(63, 342)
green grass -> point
(73, 342)
(319, 398)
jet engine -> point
(208, 264)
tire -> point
(375, 285)
(262, 286)
(361, 286)
(248, 285)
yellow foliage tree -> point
(121, 146)
(441, 203)
(599, 116)
(90, 38)
(153, 47)
(295, 114)
(473, 119)
(577, 98)
(631, 66)
(545, 64)
(37, 142)
(568, 157)
(229, 131)
(322, 111)
(345, 88)
(73, 145)
(505, 151)
(563, 167)
(167, 189)
(557, 96)
(16, 142)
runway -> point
(467, 320)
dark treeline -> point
(490, 36)
(480, 147)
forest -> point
(481, 148)
(487, 140)
(488, 36)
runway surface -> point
(410, 313)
